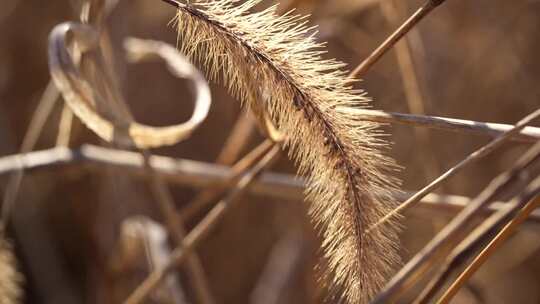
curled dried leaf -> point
(109, 120)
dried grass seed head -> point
(309, 98)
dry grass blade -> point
(528, 134)
(176, 226)
(503, 235)
(480, 236)
(282, 265)
(526, 169)
(416, 102)
(204, 198)
(237, 139)
(37, 122)
(475, 156)
(422, 12)
(111, 123)
(200, 175)
(143, 246)
(138, 50)
(201, 230)
(64, 127)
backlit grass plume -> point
(273, 64)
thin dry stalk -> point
(176, 226)
(503, 235)
(37, 122)
(64, 127)
(280, 269)
(201, 230)
(237, 140)
(476, 240)
(204, 198)
(525, 170)
(525, 135)
(422, 12)
(473, 157)
(415, 99)
(201, 175)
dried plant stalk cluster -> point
(274, 64)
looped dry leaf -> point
(180, 67)
(109, 120)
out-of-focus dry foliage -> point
(475, 60)
(10, 278)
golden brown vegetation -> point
(74, 211)
(272, 62)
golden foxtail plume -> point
(273, 64)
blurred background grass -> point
(475, 60)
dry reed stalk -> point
(475, 156)
(176, 225)
(420, 14)
(237, 140)
(64, 127)
(201, 174)
(241, 166)
(202, 229)
(283, 264)
(476, 239)
(499, 239)
(416, 102)
(509, 183)
(37, 122)
(528, 134)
